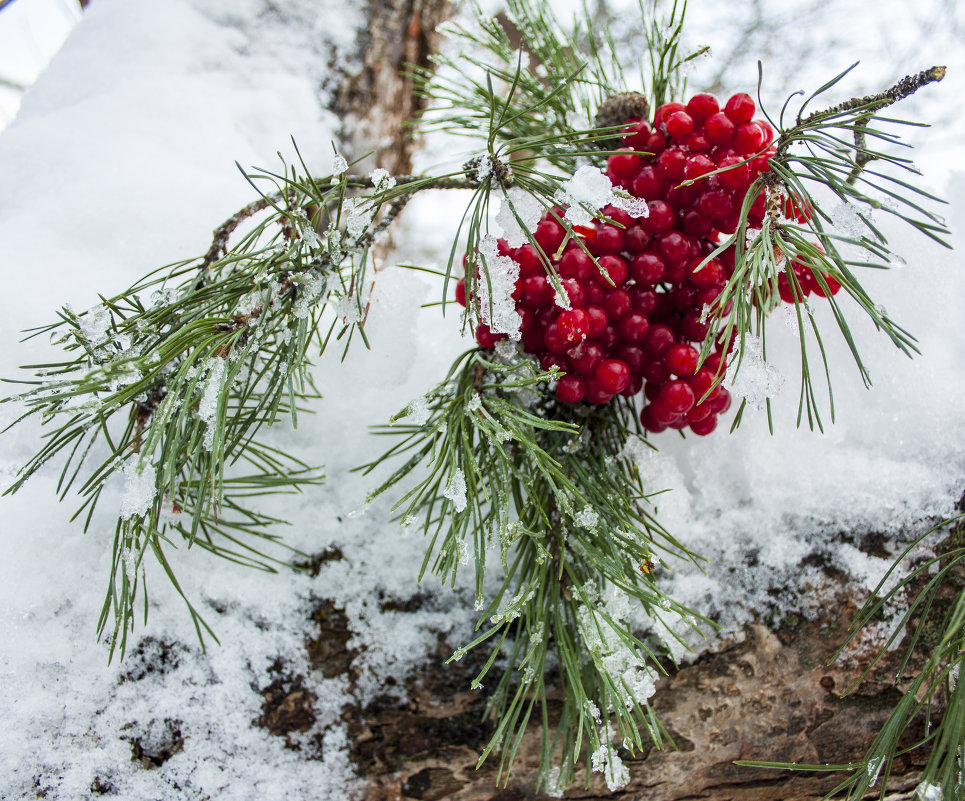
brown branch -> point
(906, 87)
(221, 234)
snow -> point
(139, 489)
(496, 304)
(455, 490)
(213, 81)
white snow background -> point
(121, 160)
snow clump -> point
(496, 305)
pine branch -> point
(555, 491)
(170, 382)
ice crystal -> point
(455, 490)
(140, 489)
(751, 377)
(208, 408)
(518, 214)
(496, 305)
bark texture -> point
(377, 103)
(769, 696)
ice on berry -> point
(496, 305)
(588, 187)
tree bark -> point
(768, 695)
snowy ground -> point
(121, 160)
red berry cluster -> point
(631, 321)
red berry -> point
(634, 385)
(549, 235)
(598, 319)
(649, 423)
(656, 143)
(762, 162)
(574, 291)
(550, 360)
(677, 396)
(614, 267)
(694, 223)
(637, 239)
(613, 375)
(577, 263)
(719, 129)
(670, 164)
(717, 204)
(617, 215)
(595, 393)
(703, 427)
(645, 301)
(698, 166)
(617, 303)
(574, 324)
(679, 125)
(636, 136)
(702, 106)
(710, 275)
(609, 338)
(673, 246)
(647, 268)
(697, 143)
(461, 291)
(681, 197)
(656, 374)
(663, 112)
(609, 239)
(485, 338)
(556, 341)
(833, 285)
(740, 108)
(749, 138)
(661, 413)
(624, 166)
(528, 260)
(681, 360)
(586, 357)
(721, 403)
(649, 184)
(571, 388)
(692, 328)
(658, 339)
(633, 355)
(536, 292)
(660, 219)
(633, 327)
(736, 178)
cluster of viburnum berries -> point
(634, 331)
